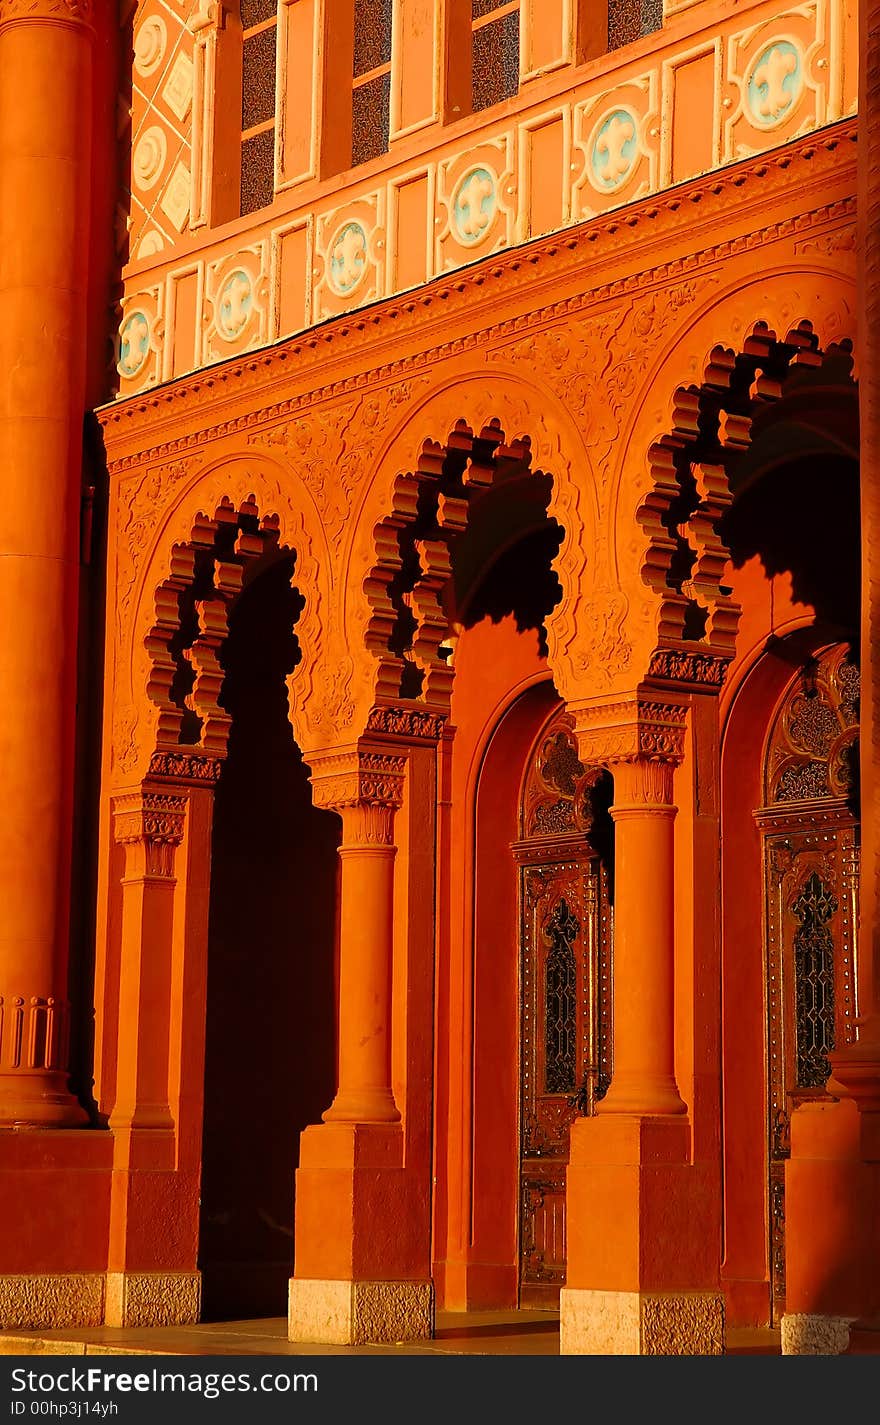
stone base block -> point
(809, 1335)
(346, 1313)
(634, 1323)
(153, 1298)
(29, 1303)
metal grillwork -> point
(814, 982)
(560, 1028)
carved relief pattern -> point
(644, 739)
(156, 110)
(151, 501)
(71, 10)
(565, 971)
(413, 724)
(154, 822)
(332, 449)
(365, 784)
(814, 743)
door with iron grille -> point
(810, 831)
(564, 855)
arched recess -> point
(224, 648)
(461, 592)
(234, 985)
(755, 527)
(429, 480)
(789, 813)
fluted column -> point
(643, 1081)
(45, 156)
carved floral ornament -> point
(635, 729)
(365, 786)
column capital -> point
(635, 728)
(62, 12)
(153, 823)
(357, 776)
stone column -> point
(367, 855)
(45, 157)
(643, 1259)
(141, 1290)
(832, 1179)
(358, 1274)
(644, 951)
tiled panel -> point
(155, 128)
(708, 91)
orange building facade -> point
(438, 867)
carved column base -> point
(51, 1301)
(638, 1323)
(808, 1335)
(39, 1098)
(153, 1298)
(352, 1313)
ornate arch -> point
(511, 429)
(691, 466)
(218, 528)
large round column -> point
(644, 949)
(45, 155)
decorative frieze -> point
(186, 767)
(703, 670)
(411, 724)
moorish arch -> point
(489, 425)
(231, 595)
(165, 515)
(755, 493)
(477, 433)
(697, 406)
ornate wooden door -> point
(565, 990)
(810, 836)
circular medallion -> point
(348, 259)
(134, 343)
(148, 159)
(775, 84)
(234, 304)
(613, 150)
(474, 204)
(150, 43)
